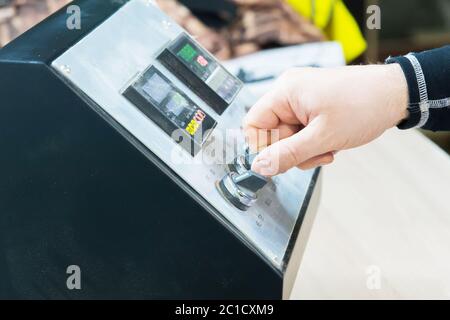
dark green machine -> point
(81, 185)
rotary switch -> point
(242, 163)
(241, 185)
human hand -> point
(317, 112)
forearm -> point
(428, 77)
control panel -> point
(171, 109)
(201, 72)
(159, 88)
(241, 185)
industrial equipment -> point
(122, 155)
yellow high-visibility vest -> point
(337, 23)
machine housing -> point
(92, 176)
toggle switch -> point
(242, 163)
(250, 181)
(241, 185)
(241, 189)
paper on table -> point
(258, 70)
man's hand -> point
(317, 112)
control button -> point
(241, 185)
(250, 181)
(242, 163)
(249, 158)
(241, 189)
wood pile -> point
(17, 16)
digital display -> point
(156, 88)
(201, 63)
(188, 53)
(177, 104)
(158, 98)
(201, 72)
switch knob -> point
(242, 163)
(241, 185)
(250, 181)
(241, 189)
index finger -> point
(269, 120)
(270, 111)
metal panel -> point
(106, 61)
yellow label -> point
(192, 127)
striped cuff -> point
(418, 94)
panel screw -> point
(166, 24)
(65, 68)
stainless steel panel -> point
(104, 63)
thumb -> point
(290, 152)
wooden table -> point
(383, 226)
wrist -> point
(399, 97)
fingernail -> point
(263, 166)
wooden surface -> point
(384, 215)
(20, 15)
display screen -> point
(171, 109)
(157, 88)
(201, 72)
(202, 64)
(177, 104)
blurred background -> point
(234, 28)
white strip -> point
(423, 92)
(441, 103)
